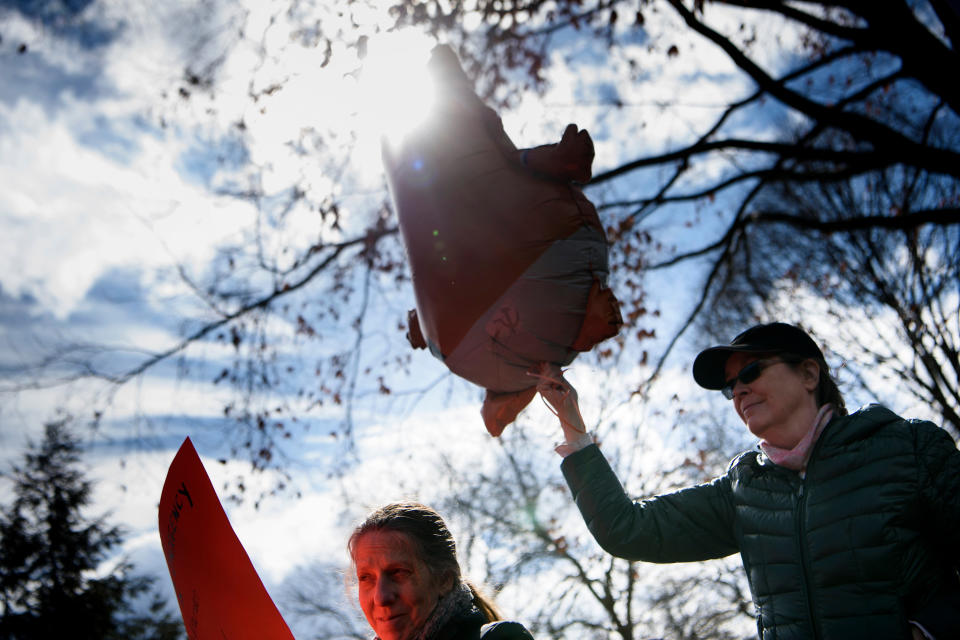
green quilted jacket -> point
(866, 541)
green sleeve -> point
(696, 523)
(939, 464)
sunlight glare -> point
(394, 87)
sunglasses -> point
(747, 375)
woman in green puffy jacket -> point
(847, 525)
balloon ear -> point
(601, 319)
(500, 409)
(445, 66)
(414, 334)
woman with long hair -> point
(409, 582)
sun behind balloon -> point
(508, 259)
(395, 95)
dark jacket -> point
(866, 541)
(474, 626)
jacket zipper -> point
(804, 559)
(802, 537)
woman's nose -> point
(739, 388)
(384, 592)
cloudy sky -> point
(113, 189)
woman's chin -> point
(756, 427)
(396, 629)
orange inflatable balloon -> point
(219, 591)
(509, 265)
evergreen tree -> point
(50, 553)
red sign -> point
(220, 594)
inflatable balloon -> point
(508, 257)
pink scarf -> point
(796, 458)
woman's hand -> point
(562, 398)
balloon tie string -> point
(566, 394)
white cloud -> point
(71, 211)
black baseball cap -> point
(775, 337)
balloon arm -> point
(570, 159)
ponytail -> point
(485, 604)
(827, 390)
